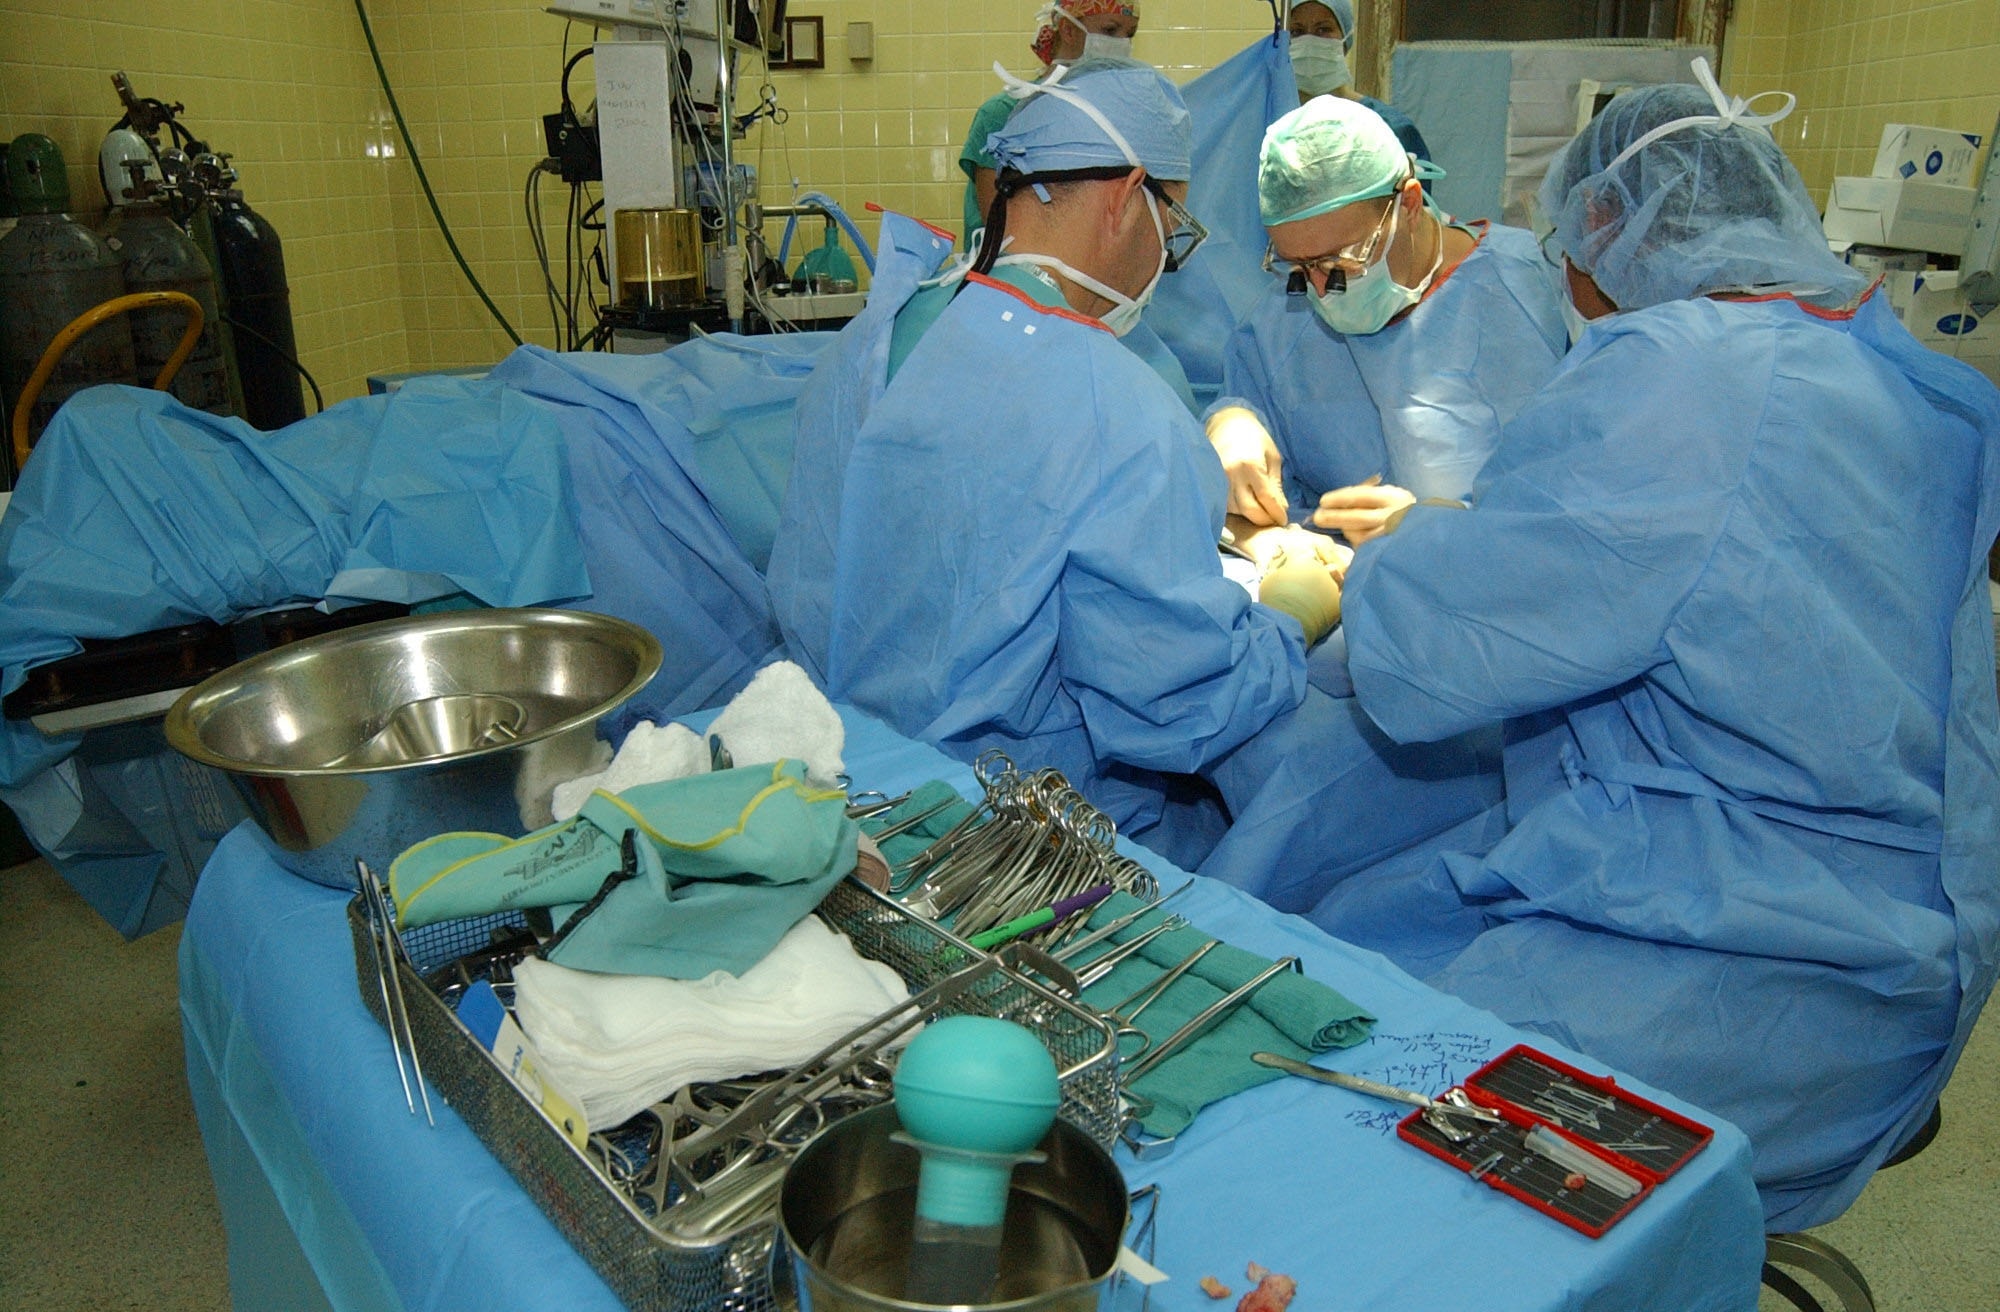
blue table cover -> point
(321, 1169)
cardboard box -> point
(1909, 216)
(1927, 155)
(1935, 310)
(1875, 261)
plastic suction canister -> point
(975, 1095)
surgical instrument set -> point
(1032, 842)
(673, 1207)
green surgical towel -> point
(904, 847)
(727, 862)
(1288, 1014)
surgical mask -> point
(1572, 318)
(1096, 45)
(1123, 316)
(1373, 297)
(1319, 64)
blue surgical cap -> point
(1343, 10)
(1710, 204)
(1051, 133)
(1327, 153)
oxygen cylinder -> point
(251, 262)
(52, 269)
(159, 257)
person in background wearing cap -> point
(1725, 579)
(1322, 37)
(1065, 33)
(1381, 369)
(1001, 526)
(1076, 30)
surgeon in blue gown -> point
(1379, 370)
(1725, 580)
(1011, 541)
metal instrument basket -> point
(650, 1268)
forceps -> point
(1098, 967)
(1098, 935)
(387, 949)
(1128, 1021)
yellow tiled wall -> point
(885, 130)
(288, 87)
(474, 78)
(283, 85)
(1857, 65)
(917, 96)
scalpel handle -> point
(1359, 1084)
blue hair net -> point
(1677, 191)
(1100, 113)
(1327, 153)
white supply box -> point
(1911, 216)
(1927, 155)
(1935, 310)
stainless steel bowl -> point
(359, 743)
(847, 1208)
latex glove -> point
(1251, 460)
(1305, 589)
(1363, 511)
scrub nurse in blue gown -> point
(1322, 39)
(1724, 578)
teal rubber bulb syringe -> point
(975, 1095)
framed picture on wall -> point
(805, 43)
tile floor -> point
(105, 1200)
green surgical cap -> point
(1327, 153)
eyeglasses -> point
(1187, 233)
(1350, 261)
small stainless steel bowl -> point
(361, 742)
(847, 1208)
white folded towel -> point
(650, 754)
(619, 1043)
(781, 715)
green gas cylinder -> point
(159, 257)
(52, 269)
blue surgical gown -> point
(1421, 401)
(1013, 545)
(1725, 579)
